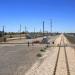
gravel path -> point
(65, 64)
(61, 67)
(47, 67)
(71, 59)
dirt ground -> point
(17, 59)
(61, 61)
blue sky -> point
(31, 13)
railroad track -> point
(66, 58)
(56, 64)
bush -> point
(39, 55)
(42, 50)
(36, 41)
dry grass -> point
(42, 50)
(39, 55)
(71, 39)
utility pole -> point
(20, 31)
(34, 32)
(25, 30)
(43, 28)
(4, 39)
(51, 25)
(3, 31)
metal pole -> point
(34, 32)
(43, 28)
(20, 31)
(25, 30)
(3, 31)
(51, 26)
(4, 39)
